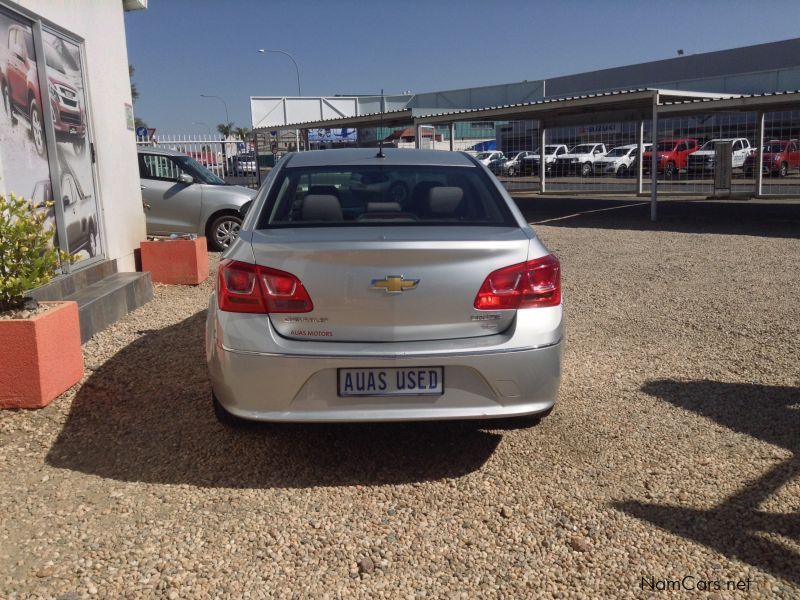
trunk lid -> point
(391, 284)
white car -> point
(487, 157)
(580, 159)
(513, 166)
(619, 160)
(702, 161)
(552, 152)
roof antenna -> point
(380, 126)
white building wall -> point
(101, 24)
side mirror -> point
(185, 178)
(245, 208)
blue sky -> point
(184, 48)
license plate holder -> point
(390, 381)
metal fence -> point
(232, 159)
(603, 157)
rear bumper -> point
(479, 383)
(478, 386)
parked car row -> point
(673, 157)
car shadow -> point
(737, 526)
(763, 219)
(145, 415)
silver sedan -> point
(182, 196)
(339, 303)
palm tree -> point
(225, 130)
(134, 91)
(243, 133)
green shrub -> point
(27, 258)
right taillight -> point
(244, 287)
(536, 283)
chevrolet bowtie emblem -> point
(394, 284)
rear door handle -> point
(142, 187)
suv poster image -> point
(24, 169)
(68, 105)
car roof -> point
(368, 156)
(155, 150)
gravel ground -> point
(672, 452)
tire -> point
(7, 103)
(670, 170)
(512, 171)
(622, 171)
(586, 169)
(784, 170)
(37, 129)
(79, 146)
(225, 418)
(91, 243)
(223, 231)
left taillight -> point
(536, 283)
(248, 288)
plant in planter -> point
(40, 346)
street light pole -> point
(225, 104)
(299, 93)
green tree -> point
(225, 129)
(134, 91)
(243, 133)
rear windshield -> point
(377, 195)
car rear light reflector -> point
(243, 287)
(536, 283)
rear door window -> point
(378, 196)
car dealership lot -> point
(672, 451)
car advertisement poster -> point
(25, 131)
(68, 105)
(24, 169)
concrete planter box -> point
(41, 356)
(181, 262)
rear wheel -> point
(223, 231)
(622, 171)
(7, 103)
(670, 170)
(512, 171)
(91, 244)
(586, 169)
(784, 170)
(36, 127)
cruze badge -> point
(394, 284)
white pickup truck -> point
(702, 161)
(580, 159)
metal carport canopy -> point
(618, 105)
(770, 102)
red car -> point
(672, 155)
(779, 157)
(19, 84)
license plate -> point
(411, 381)
(73, 130)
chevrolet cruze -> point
(338, 302)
